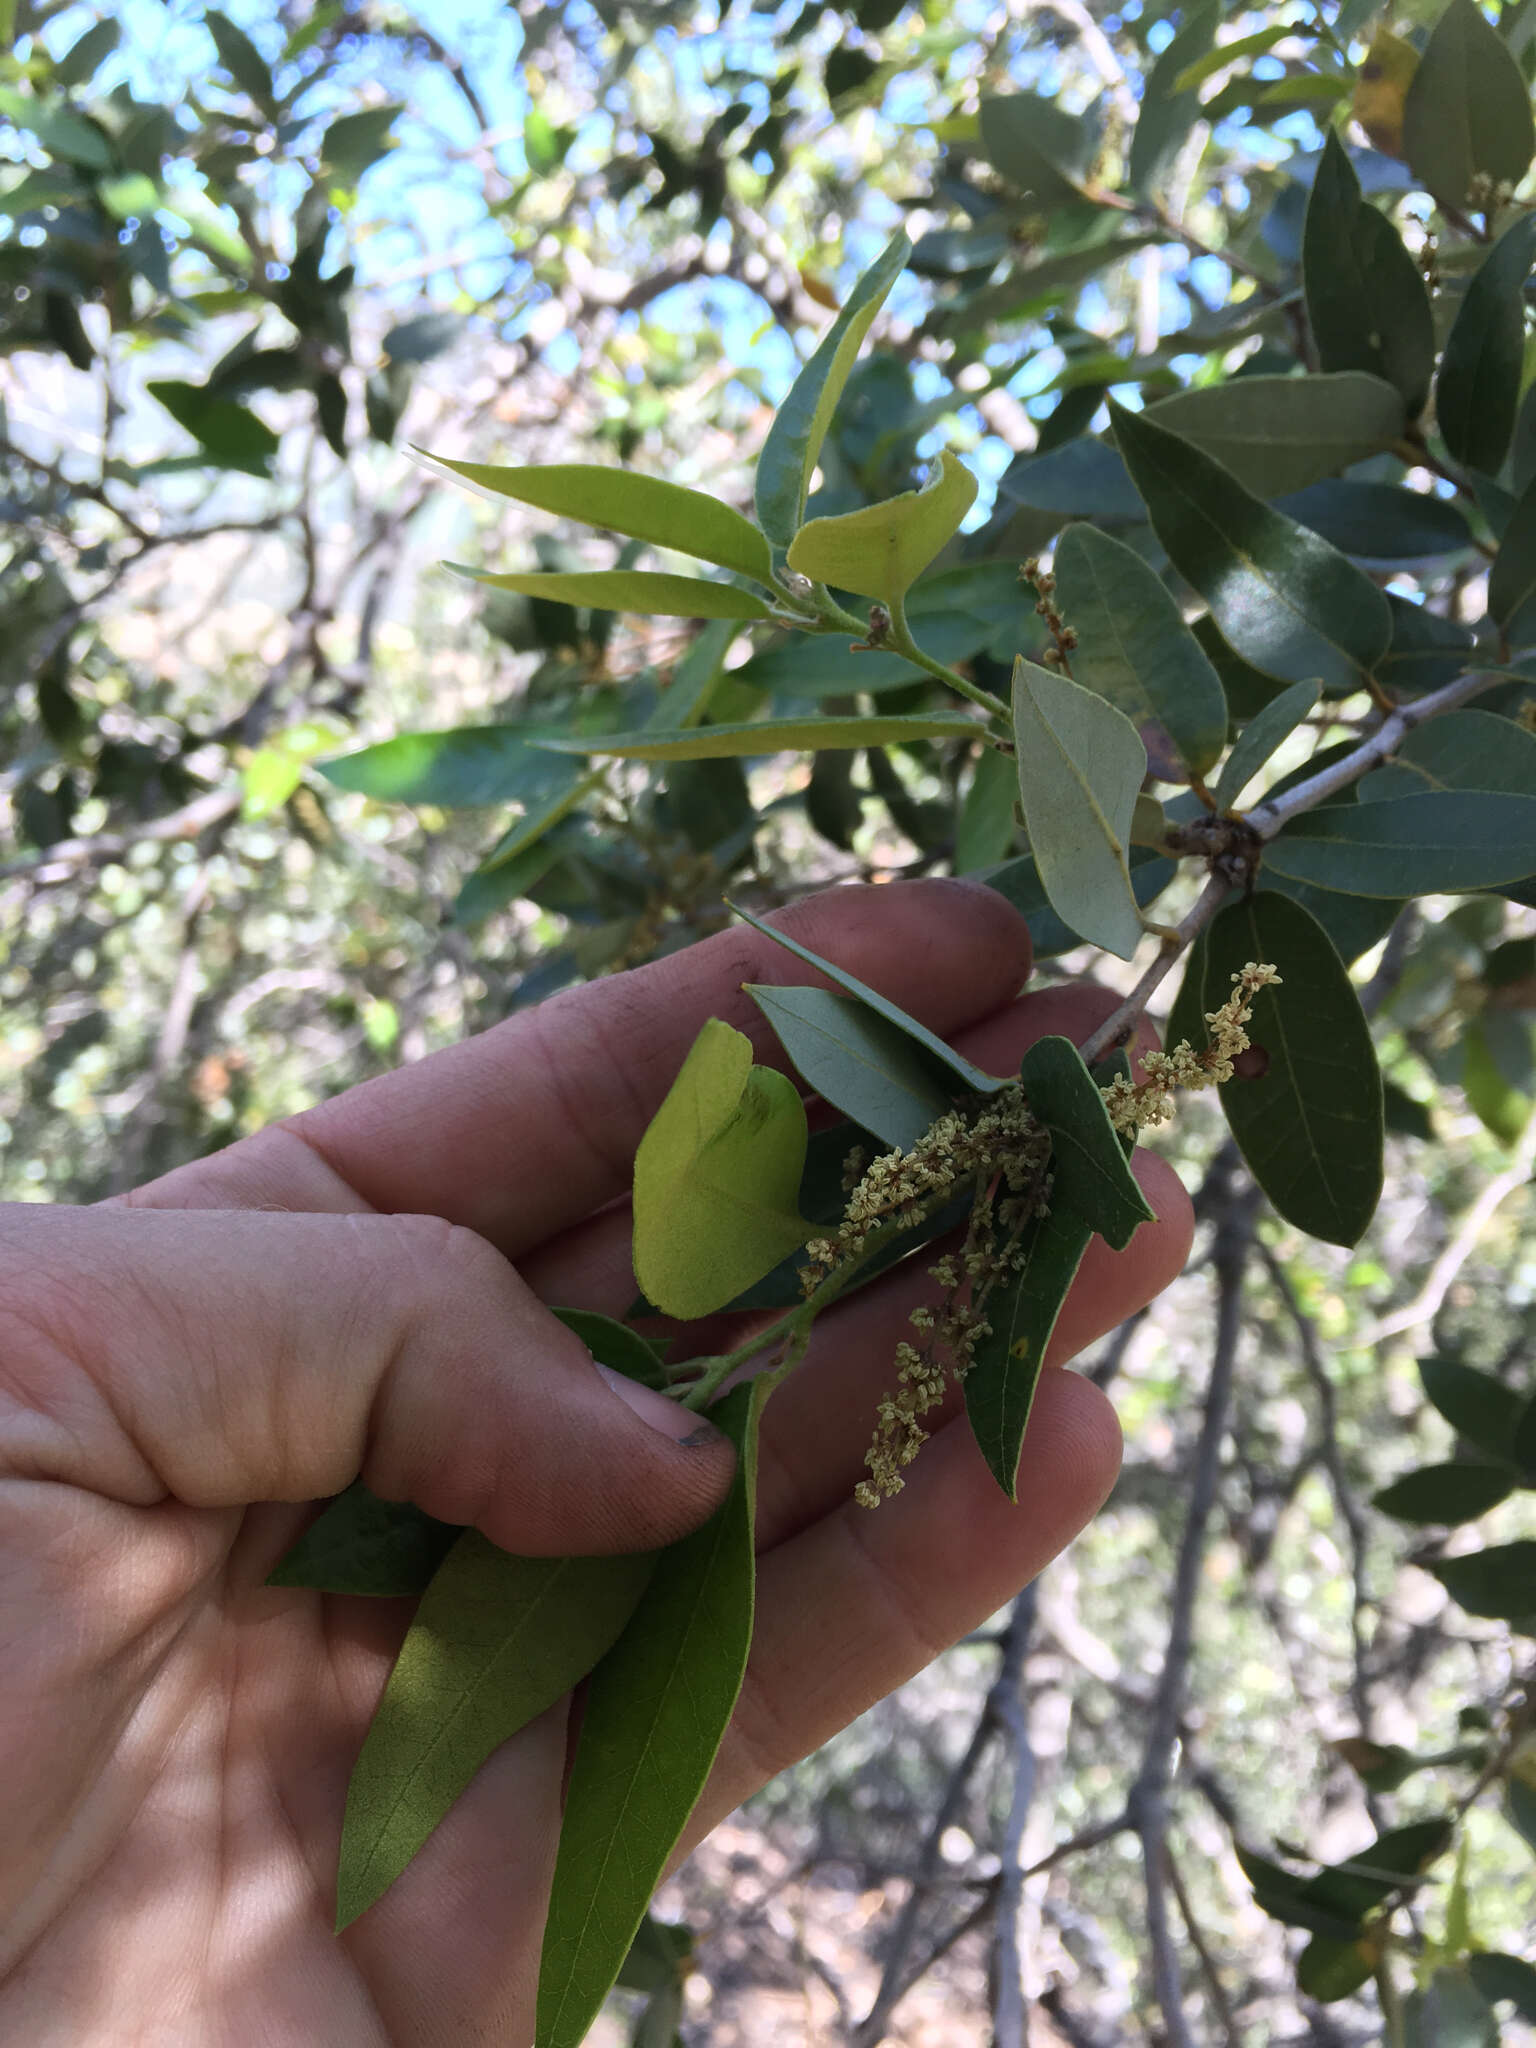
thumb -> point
(230, 1356)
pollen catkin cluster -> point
(1141, 1105)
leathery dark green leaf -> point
(1133, 646)
(496, 1640)
(1449, 1493)
(1022, 1312)
(1269, 729)
(1478, 389)
(1091, 1174)
(1283, 598)
(655, 1711)
(1498, 1582)
(1442, 841)
(1311, 1127)
(1366, 297)
(1278, 434)
(1467, 114)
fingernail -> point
(682, 1425)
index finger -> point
(523, 1131)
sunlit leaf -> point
(793, 447)
(881, 550)
(621, 501)
(1080, 770)
(645, 591)
(495, 1641)
(652, 1720)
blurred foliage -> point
(248, 260)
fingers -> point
(220, 1359)
(861, 1600)
(521, 1132)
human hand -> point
(183, 1374)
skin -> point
(183, 1374)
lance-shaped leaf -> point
(361, 1544)
(1081, 767)
(1260, 737)
(1022, 1313)
(1478, 390)
(1310, 1128)
(1503, 1976)
(1379, 522)
(474, 764)
(858, 1061)
(1283, 598)
(1091, 1176)
(1499, 1582)
(496, 1640)
(1449, 1493)
(1475, 1404)
(1170, 104)
(1445, 841)
(646, 591)
(716, 1176)
(654, 1714)
(985, 828)
(793, 447)
(642, 507)
(1277, 434)
(969, 1076)
(1366, 297)
(881, 550)
(766, 736)
(1512, 583)
(1133, 646)
(1468, 112)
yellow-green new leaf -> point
(881, 550)
(632, 590)
(716, 1178)
(1081, 767)
(642, 507)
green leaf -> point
(793, 446)
(1501, 1976)
(1260, 738)
(1277, 434)
(1450, 2012)
(87, 53)
(1027, 288)
(767, 736)
(1445, 1493)
(1022, 1312)
(473, 764)
(1366, 297)
(716, 1176)
(1520, 1807)
(1499, 1582)
(1038, 146)
(361, 1544)
(232, 437)
(858, 1061)
(1283, 1896)
(616, 1345)
(62, 134)
(1080, 766)
(420, 339)
(1133, 646)
(1170, 104)
(1444, 842)
(1091, 1174)
(970, 1077)
(1283, 598)
(353, 143)
(1468, 111)
(1379, 522)
(496, 1640)
(1463, 750)
(654, 1714)
(1503, 1109)
(1512, 581)
(631, 590)
(1082, 479)
(1392, 1863)
(1019, 881)
(1475, 1404)
(1310, 1128)
(620, 501)
(986, 828)
(240, 58)
(881, 550)
(1329, 1968)
(1478, 390)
